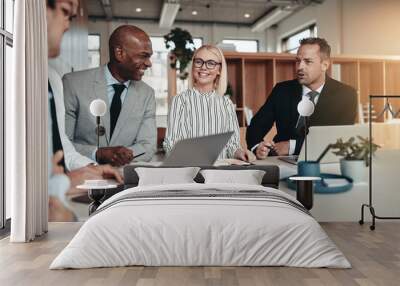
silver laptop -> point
(321, 136)
(199, 151)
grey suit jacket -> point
(136, 125)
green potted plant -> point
(355, 156)
(182, 45)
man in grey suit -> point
(130, 119)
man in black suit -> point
(335, 103)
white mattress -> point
(190, 230)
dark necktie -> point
(301, 121)
(57, 145)
(116, 105)
(312, 95)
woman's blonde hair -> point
(221, 80)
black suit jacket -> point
(336, 105)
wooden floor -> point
(374, 255)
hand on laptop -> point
(246, 156)
(107, 172)
(116, 156)
(92, 172)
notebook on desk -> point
(320, 137)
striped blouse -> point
(193, 114)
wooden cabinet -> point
(253, 75)
(256, 74)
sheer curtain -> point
(26, 124)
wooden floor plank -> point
(374, 255)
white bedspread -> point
(183, 231)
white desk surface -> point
(327, 207)
(346, 206)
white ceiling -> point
(209, 11)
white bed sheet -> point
(200, 231)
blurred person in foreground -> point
(59, 14)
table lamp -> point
(307, 172)
(98, 108)
(305, 108)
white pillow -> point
(163, 176)
(248, 177)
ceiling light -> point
(168, 13)
(247, 15)
(194, 12)
(138, 10)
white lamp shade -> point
(98, 107)
(305, 107)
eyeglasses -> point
(210, 64)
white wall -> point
(210, 33)
(352, 27)
(327, 17)
(371, 27)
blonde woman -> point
(203, 109)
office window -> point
(9, 70)
(248, 46)
(94, 50)
(6, 70)
(157, 76)
(291, 43)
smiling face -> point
(133, 57)
(311, 66)
(206, 67)
(58, 21)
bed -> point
(198, 224)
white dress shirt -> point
(110, 80)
